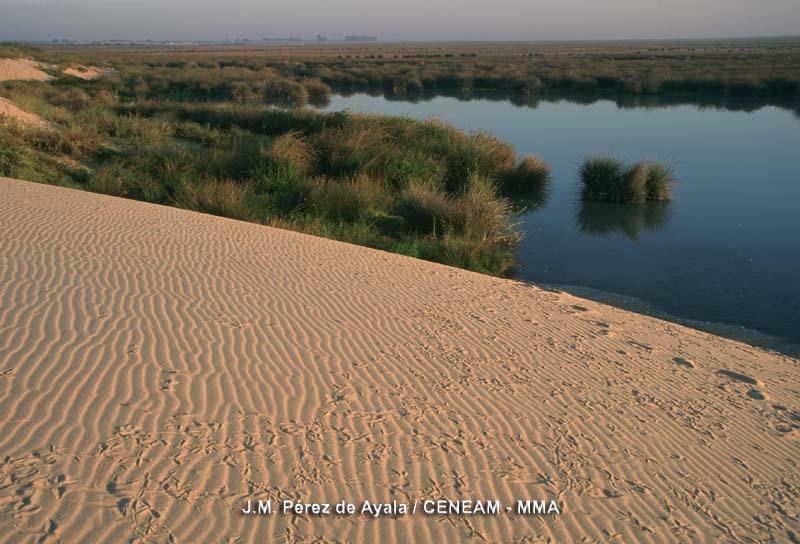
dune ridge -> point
(12, 111)
(158, 367)
(13, 69)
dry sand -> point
(12, 111)
(86, 72)
(158, 367)
(22, 69)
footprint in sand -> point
(605, 329)
(735, 376)
(680, 361)
(754, 393)
(168, 380)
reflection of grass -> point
(605, 179)
(604, 219)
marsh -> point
(724, 250)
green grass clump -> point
(425, 209)
(530, 177)
(219, 197)
(659, 182)
(318, 93)
(605, 179)
(348, 200)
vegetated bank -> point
(719, 68)
(423, 189)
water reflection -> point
(531, 201)
(623, 101)
(602, 219)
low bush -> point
(606, 179)
(531, 176)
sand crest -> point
(11, 69)
(159, 367)
(86, 72)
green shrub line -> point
(521, 71)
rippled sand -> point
(160, 367)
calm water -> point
(726, 249)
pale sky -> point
(396, 20)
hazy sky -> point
(396, 20)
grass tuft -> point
(605, 179)
(530, 177)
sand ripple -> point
(158, 367)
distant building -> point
(360, 39)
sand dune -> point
(29, 69)
(85, 72)
(159, 367)
(12, 111)
(11, 69)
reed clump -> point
(606, 179)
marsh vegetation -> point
(606, 179)
(196, 127)
(719, 68)
(421, 188)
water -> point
(726, 249)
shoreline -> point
(731, 331)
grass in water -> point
(606, 179)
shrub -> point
(215, 196)
(659, 182)
(119, 180)
(291, 148)
(531, 176)
(483, 216)
(606, 179)
(462, 253)
(599, 175)
(401, 170)
(285, 92)
(10, 152)
(479, 153)
(632, 186)
(348, 200)
(425, 209)
(318, 92)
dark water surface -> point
(726, 249)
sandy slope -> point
(22, 69)
(86, 72)
(11, 110)
(158, 367)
